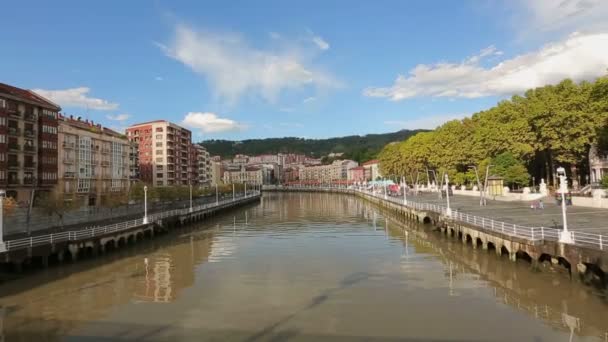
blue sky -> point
(245, 69)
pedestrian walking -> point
(541, 205)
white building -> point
(598, 165)
(251, 175)
(338, 170)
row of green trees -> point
(533, 134)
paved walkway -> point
(592, 220)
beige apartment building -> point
(217, 172)
(338, 170)
(203, 162)
(251, 175)
(165, 153)
(93, 162)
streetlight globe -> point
(561, 170)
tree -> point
(604, 182)
(512, 170)
(53, 203)
(9, 205)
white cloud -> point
(579, 57)
(119, 117)
(76, 97)
(158, 78)
(426, 122)
(320, 42)
(211, 123)
(552, 15)
(233, 68)
(309, 99)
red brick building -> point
(28, 143)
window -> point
(159, 167)
(159, 160)
(49, 129)
(2, 103)
(2, 138)
(159, 152)
(159, 144)
(2, 121)
(159, 183)
(159, 137)
(159, 175)
(159, 129)
(2, 157)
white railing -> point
(596, 241)
(75, 235)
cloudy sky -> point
(247, 69)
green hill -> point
(359, 148)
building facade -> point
(203, 162)
(28, 143)
(356, 174)
(372, 170)
(94, 162)
(598, 165)
(165, 151)
(251, 175)
(338, 170)
(217, 172)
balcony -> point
(28, 181)
(13, 181)
(29, 165)
(68, 144)
(13, 112)
(14, 131)
(14, 147)
(68, 160)
(69, 175)
(29, 148)
(29, 117)
(13, 164)
(29, 133)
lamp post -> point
(448, 211)
(478, 184)
(485, 183)
(217, 196)
(145, 220)
(233, 193)
(190, 184)
(404, 191)
(533, 184)
(2, 195)
(385, 194)
(564, 235)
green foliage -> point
(54, 203)
(604, 182)
(511, 169)
(358, 148)
(550, 126)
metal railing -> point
(533, 234)
(89, 232)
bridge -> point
(95, 239)
(587, 252)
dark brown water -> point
(302, 267)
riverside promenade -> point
(511, 229)
(93, 239)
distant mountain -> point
(359, 148)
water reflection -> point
(302, 266)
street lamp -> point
(217, 197)
(485, 184)
(448, 211)
(404, 191)
(478, 184)
(191, 210)
(564, 235)
(145, 220)
(233, 193)
(384, 181)
(2, 196)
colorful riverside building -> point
(94, 162)
(28, 143)
(166, 154)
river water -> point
(302, 267)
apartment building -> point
(372, 169)
(133, 162)
(165, 151)
(251, 175)
(217, 172)
(28, 143)
(203, 164)
(94, 162)
(338, 170)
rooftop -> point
(27, 96)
